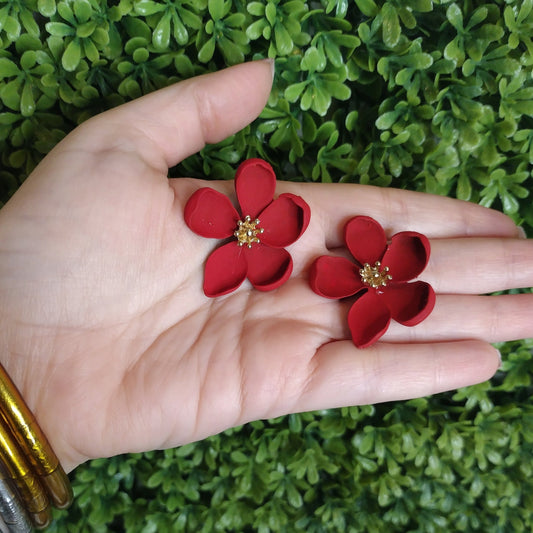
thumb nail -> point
(521, 233)
(271, 61)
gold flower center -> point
(247, 231)
(375, 276)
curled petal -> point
(255, 183)
(368, 319)
(334, 277)
(225, 270)
(365, 239)
(407, 255)
(409, 303)
(284, 220)
(268, 268)
(209, 213)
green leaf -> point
(28, 60)
(510, 206)
(313, 60)
(367, 7)
(100, 36)
(82, 10)
(86, 29)
(294, 91)
(8, 118)
(47, 8)
(90, 50)
(270, 13)
(141, 55)
(10, 94)
(207, 51)
(72, 56)
(161, 34)
(334, 54)
(26, 17)
(27, 101)
(454, 51)
(455, 17)
(8, 68)
(391, 25)
(12, 28)
(231, 52)
(180, 31)
(64, 10)
(59, 29)
(255, 8)
(351, 120)
(216, 9)
(148, 7)
(464, 188)
(255, 30)
(284, 43)
(338, 90)
(386, 121)
(236, 20)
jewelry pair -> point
(379, 279)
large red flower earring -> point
(259, 234)
(378, 279)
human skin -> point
(105, 328)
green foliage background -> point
(428, 95)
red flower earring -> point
(260, 235)
(378, 280)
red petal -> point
(225, 270)
(268, 268)
(334, 277)
(284, 220)
(368, 319)
(407, 255)
(365, 239)
(255, 183)
(409, 303)
(210, 214)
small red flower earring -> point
(378, 279)
(258, 235)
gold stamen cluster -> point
(247, 231)
(375, 276)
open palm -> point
(108, 334)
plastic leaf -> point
(27, 101)
(148, 7)
(59, 29)
(391, 25)
(47, 8)
(8, 68)
(216, 9)
(161, 34)
(206, 52)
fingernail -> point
(272, 62)
(499, 357)
(521, 232)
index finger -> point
(332, 205)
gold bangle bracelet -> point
(33, 442)
(27, 482)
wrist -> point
(28, 461)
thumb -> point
(168, 125)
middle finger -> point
(479, 265)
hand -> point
(105, 328)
